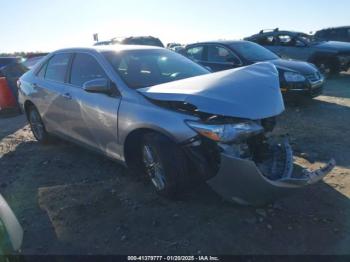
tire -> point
(328, 68)
(165, 164)
(37, 126)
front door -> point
(220, 58)
(93, 117)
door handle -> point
(67, 95)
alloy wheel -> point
(153, 167)
(36, 125)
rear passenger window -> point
(195, 53)
(266, 40)
(57, 68)
(286, 40)
(85, 68)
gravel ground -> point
(72, 201)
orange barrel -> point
(7, 99)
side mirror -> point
(99, 85)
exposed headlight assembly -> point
(227, 132)
(293, 77)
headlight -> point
(227, 132)
(293, 77)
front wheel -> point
(164, 164)
(37, 126)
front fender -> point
(133, 116)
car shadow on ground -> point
(10, 124)
(82, 203)
(336, 86)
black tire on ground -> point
(169, 171)
(37, 126)
(328, 68)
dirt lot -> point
(72, 201)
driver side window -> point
(85, 68)
(219, 54)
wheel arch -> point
(133, 141)
(27, 104)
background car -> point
(334, 34)
(172, 45)
(31, 60)
(11, 232)
(296, 77)
(330, 57)
(11, 68)
(133, 40)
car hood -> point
(335, 46)
(250, 92)
(303, 68)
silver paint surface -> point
(251, 92)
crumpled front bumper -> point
(241, 181)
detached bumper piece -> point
(244, 182)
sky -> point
(47, 25)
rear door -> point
(49, 92)
(92, 117)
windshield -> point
(253, 52)
(144, 68)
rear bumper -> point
(241, 181)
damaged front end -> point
(253, 169)
(235, 150)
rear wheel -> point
(37, 126)
(164, 164)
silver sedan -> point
(160, 113)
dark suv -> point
(330, 56)
(334, 34)
(133, 40)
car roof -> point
(10, 57)
(221, 42)
(107, 48)
(271, 33)
(335, 28)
